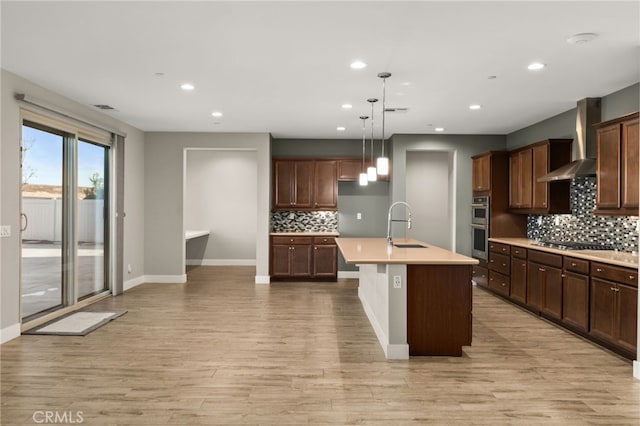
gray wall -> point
(463, 147)
(10, 186)
(164, 177)
(563, 125)
(221, 196)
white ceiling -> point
(283, 67)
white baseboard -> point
(348, 274)
(636, 369)
(9, 333)
(397, 351)
(165, 279)
(128, 285)
(221, 262)
(263, 279)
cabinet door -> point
(325, 260)
(630, 155)
(481, 173)
(540, 168)
(303, 184)
(280, 260)
(626, 316)
(325, 190)
(283, 179)
(608, 169)
(349, 170)
(552, 291)
(520, 179)
(519, 280)
(301, 260)
(603, 305)
(515, 196)
(534, 284)
(575, 300)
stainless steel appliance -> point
(480, 228)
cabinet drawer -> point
(324, 240)
(615, 273)
(480, 275)
(519, 252)
(500, 263)
(499, 248)
(545, 258)
(579, 266)
(291, 240)
(499, 283)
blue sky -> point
(44, 158)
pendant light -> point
(372, 173)
(383, 162)
(363, 179)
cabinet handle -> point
(315, 248)
(574, 264)
(504, 264)
(564, 275)
(615, 289)
(291, 240)
(632, 277)
(491, 261)
(504, 249)
(490, 279)
(293, 248)
(599, 269)
(542, 270)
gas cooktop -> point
(574, 245)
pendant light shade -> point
(372, 173)
(383, 162)
(363, 178)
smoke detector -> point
(104, 107)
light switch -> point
(359, 216)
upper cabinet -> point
(349, 169)
(526, 166)
(481, 172)
(305, 184)
(617, 166)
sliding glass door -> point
(65, 218)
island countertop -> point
(374, 250)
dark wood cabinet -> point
(481, 173)
(614, 306)
(305, 184)
(617, 166)
(349, 169)
(575, 293)
(520, 179)
(307, 257)
(544, 283)
(527, 165)
(325, 185)
(518, 278)
(552, 292)
(480, 275)
(325, 257)
(535, 278)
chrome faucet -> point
(389, 240)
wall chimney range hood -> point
(584, 164)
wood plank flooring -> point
(221, 350)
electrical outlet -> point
(129, 268)
(5, 231)
(359, 216)
(397, 281)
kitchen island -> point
(417, 296)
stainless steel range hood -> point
(585, 144)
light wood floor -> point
(221, 350)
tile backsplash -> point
(582, 225)
(301, 221)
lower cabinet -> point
(518, 279)
(575, 293)
(544, 283)
(303, 258)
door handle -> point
(26, 222)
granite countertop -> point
(307, 234)
(628, 260)
(375, 250)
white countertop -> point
(375, 250)
(618, 258)
(191, 234)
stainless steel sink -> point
(409, 245)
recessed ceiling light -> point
(341, 129)
(439, 129)
(581, 38)
(475, 106)
(187, 86)
(406, 83)
(216, 114)
(347, 106)
(358, 65)
(536, 66)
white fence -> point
(44, 217)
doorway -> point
(65, 206)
